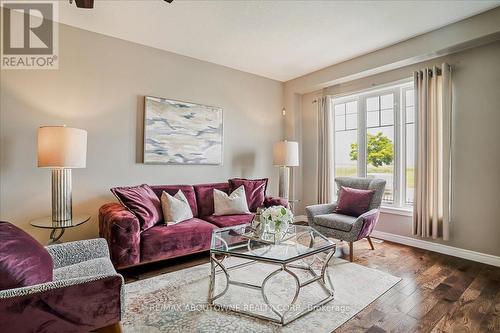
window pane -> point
(387, 117)
(372, 119)
(352, 107)
(380, 158)
(387, 101)
(346, 139)
(410, 114)
(339, 123)
(352, 121)
(372, 104)
(346, 153)
(410, 97)
(410, 163)
(339, 109)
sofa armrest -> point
(75, 252)
(321, 209)
(58, 306)
(270, 201)
(366, 223)
(122, 231)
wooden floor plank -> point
(467, 299)
(469, 316)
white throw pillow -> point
(175, 208)
(236, 203)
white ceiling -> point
(276, 39)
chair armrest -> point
(122, 231)
(366, 223)
(58, 306)
(75, 252)
(321, 209)
(270, 201)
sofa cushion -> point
(23, 261)
(205, 197)
(236, 203)
(188, 191)
(175, 208)
(255, 190)
(142, 202)
(162, 241)
(353, 201)
(92, 267)
(335, 221)
(229, 220)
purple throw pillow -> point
(353, 202)
(255, 191)
(142, 202)
(23, 261)
(205, 196)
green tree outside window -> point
(380, 150)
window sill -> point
(397, 211)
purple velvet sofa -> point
(130, 245)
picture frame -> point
(182, 133)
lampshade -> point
(62, 147)
(286, 153)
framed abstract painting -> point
(177, 132)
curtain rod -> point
(438, 71)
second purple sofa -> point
(130, 244)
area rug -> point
(177, 302)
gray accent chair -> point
(344, 227)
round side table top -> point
(47, 223)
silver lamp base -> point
(61, 195)
(284, 182)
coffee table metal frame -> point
(284, 266)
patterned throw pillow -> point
(353, 202)
(175, 208)
(233, 204)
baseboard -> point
(440, 248)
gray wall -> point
(476, 156)
(100, 86)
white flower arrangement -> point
(276, 219)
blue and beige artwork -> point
(182, 133)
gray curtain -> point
(431, 210)
(325, 144)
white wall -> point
(100, 86)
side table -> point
(58, 228)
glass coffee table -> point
(300, 244)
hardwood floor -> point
(437, 293)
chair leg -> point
(113, 328)
(370, 241)
(351, 250)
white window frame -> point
(403, 146)
(398, 89)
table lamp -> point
(286, 155)
(61, 149)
